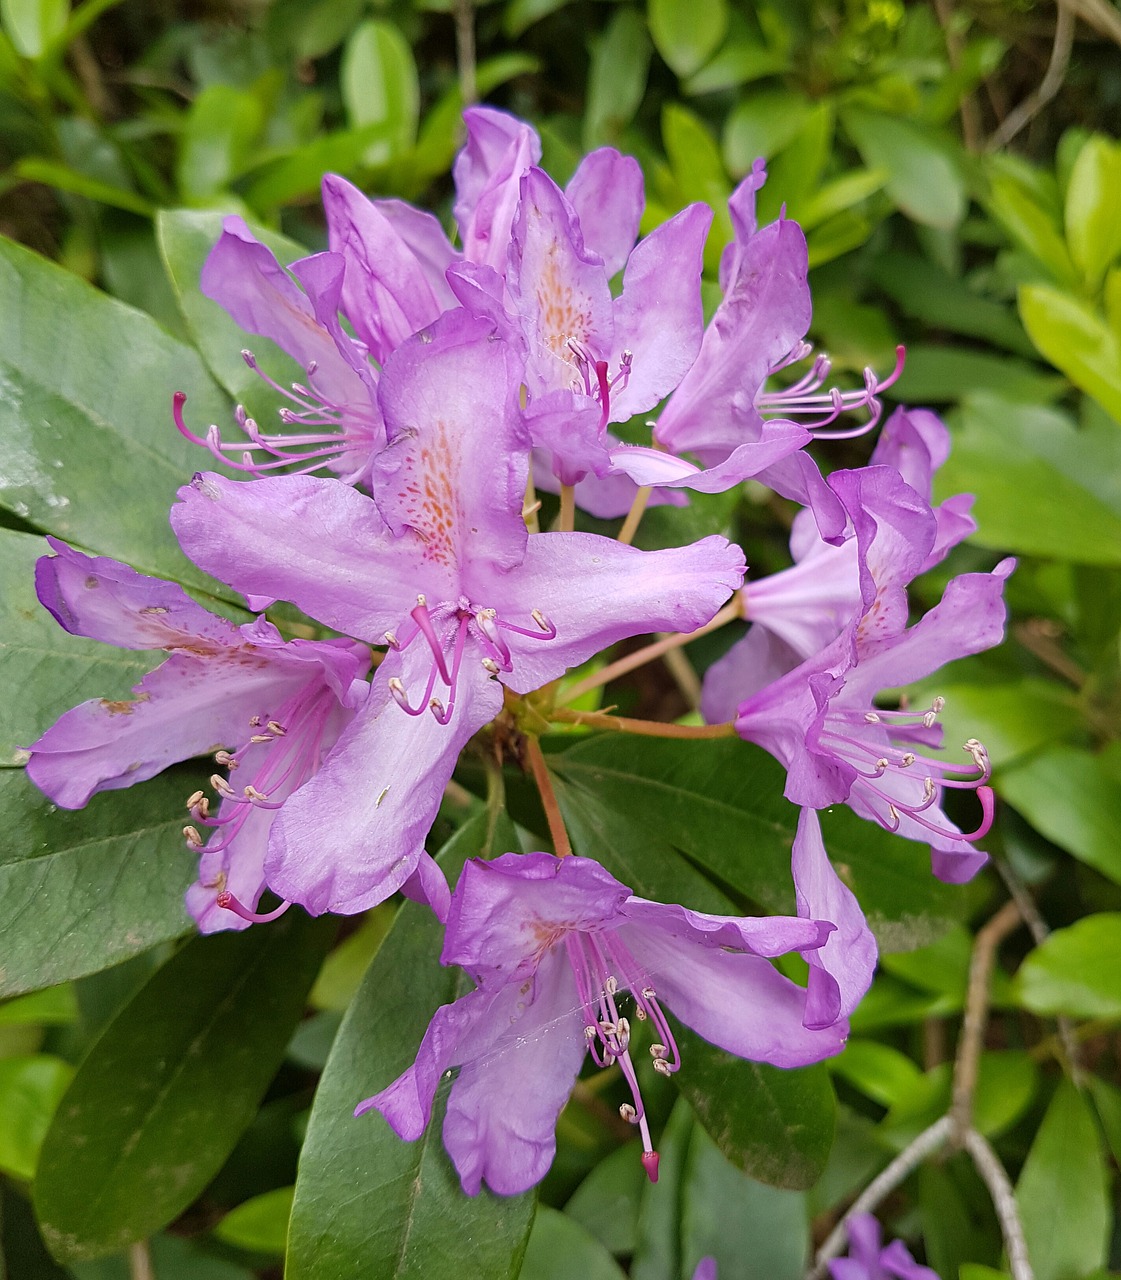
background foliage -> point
(950, 164)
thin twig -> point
(928, 1142)
(640, 657)
(140, 1262)
(686, 679)
(465, 50)
(970, 116)
(562, 846)
(634, 515)
(968, 1060)
(1004, 1202)
(644, 728)
(1022, 114)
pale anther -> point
(629, 1114)
(662, 1067)
(610, 985)
(192, 837)
(908, 760)
(276, 727)
(194, 798)
(391, 640)
(221, 785)
(491, 666)
(589, 1033)
(658, 1051)
(225, 759)
(870, 717)
(261, 737)
(251, 793)
(648, 993)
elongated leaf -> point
(616, 78)
(33, 24)
(47, 670)
(561, 1249)
(161, 1099)
(1076, 340)
(30, 1088)
(721, 804)
(1093, 219)
(80, 891)
(89, 451)
(1063, 1192)
(379, 86)
(923, 180)
(366, 1202)
(220, 129)
(686, 32)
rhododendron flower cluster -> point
(440, 387)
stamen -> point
(194, 798)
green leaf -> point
(657, 1255)
(260, 1224)
(1076, 970)
(720, 803)
(221, 128)
(63, 178)
(606, 1204)
(80, 891)
(923, 180)
(561, 1249)
(56, 1006)
(30, 1088)
(754, 1232)
(687, 32)
(739, 59)
(163, 1096)
(1025, 209)
(379, 85)
(90, 450)
(938, 374)
(880, 1072)
(343, 969)
(1093, 215)
(762, 125)
(1077, 340)
(616, 78)
(1063, 1191)
(33, 24)
(1030, 468)
(1007, 1081)
(366, 1202)
(48, 670)
(1074, 800)
(774, 1124)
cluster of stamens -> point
(805, 399)
(875, 758)
(594, 381)
(596, 960)
(297, 743)
(482, 625)
(326, 431)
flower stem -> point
(562, 846)
(465, 50)
(567, 519)
(634, 515)
(645, 728)
(531, 505)
(649, 652)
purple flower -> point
(867, 1261)
(439, 566)
(821, 722)
(275, 709)
(335, 419)
(551, 944)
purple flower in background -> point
(278, 706)
(438, 565)
(552, 944)
(333, 415)
(868, 1261)
(821, 722)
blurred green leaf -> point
(1031, 223)
(616, 78)
(88, 447)
(366, 1202)
(221, 128)
(754, 1232)
(561, 1249)
(687, 32)
(762, 125)
(521, 14)
(1074, 800)
(30, 1088)
(937, 374)
(60, 176)
(159, 1102)
(1029, 468)
(259, 1224)
(922, 179)
(32, 25)
(1093, 212)
(880, 1072)
(1076, 340)
(606, 1204)
(380, 87)
(1063, 1191)
(342, 971)
(739, 59)
(1076, 970)
(57, 1006)
(80, 891)
(1007, 1081)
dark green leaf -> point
(606, 1204)
(89, 449)
(560, 1249)
(80, 891)
(658, 1255)
(161, 1099)
(1063, 1191)
(754, 1232)
(686, 32)
(773, 1124)
(366, 1202)
(616, 78)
